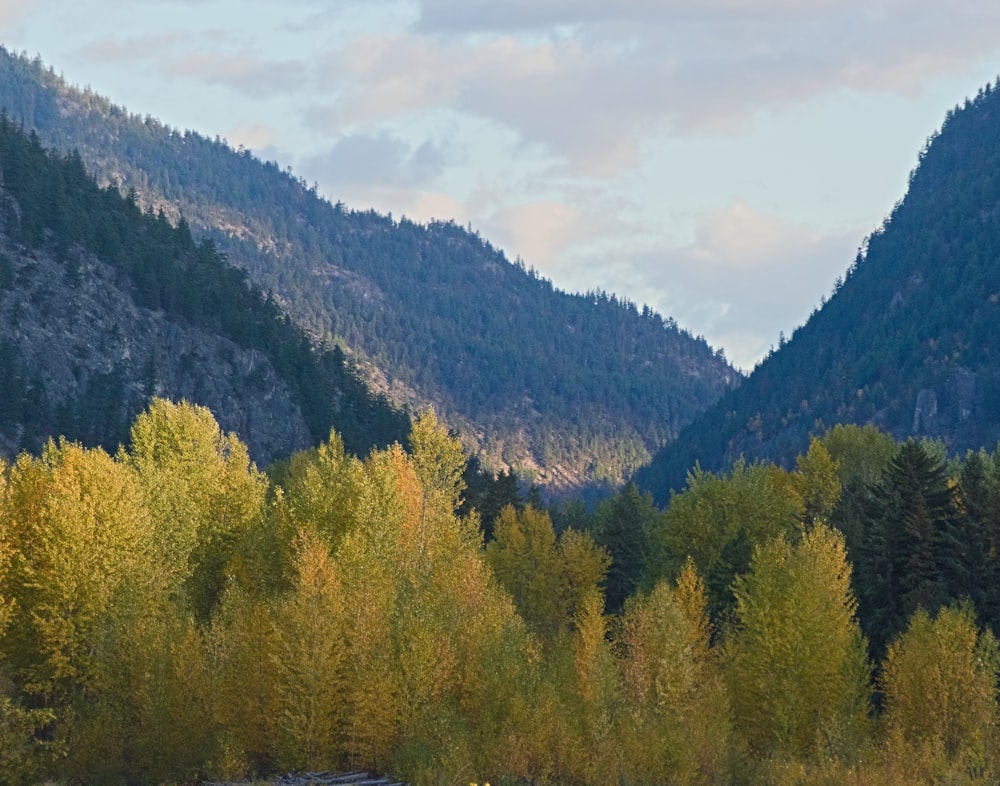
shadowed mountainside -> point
(910, 339)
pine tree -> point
(979, 525)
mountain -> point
(570, 389)
(103, 306)
(910, 339)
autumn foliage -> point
(171, 613)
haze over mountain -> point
(575, 388)
(909, 341)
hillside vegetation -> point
(573, 389)
(103, 306)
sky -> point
(721, 161)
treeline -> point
(170, 613)
(50, 203)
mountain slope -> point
(103, 306)
(909, 342)
(578, 388)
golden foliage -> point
(940, 686)
(795, 659)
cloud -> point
(744, 278)
(13, 11)
(589, 82)
(202, 55)
(389, 75)
(113, 50)
(421, 207)
(377, 160)
(748, 277)
(513, 15)
(518, 15)
(549, 94)
(252, 136)
(243, 72)
(538, 230)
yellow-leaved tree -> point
(246, 698)
(79, 525)
(311, 662)
(795, 659)
(321, 492)
(22, 751)
(940, 687)
(439, 461)
(549, 578)
(204, 494)
(676, 728)
(817, 482)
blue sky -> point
(719, 160)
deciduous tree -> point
(676, 727)
(795, 660)
(940, 686)
(204, 495)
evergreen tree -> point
(912, 556)
(979, 526)
(622, 525)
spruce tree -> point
(912, 555)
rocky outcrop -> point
(78, 357)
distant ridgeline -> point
(576, 389)
(103, 306)
(910, 339)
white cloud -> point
(745, 277)
(628, 72)
(748, 276)
(538, 230)
(517, 15)
(135, 49)
(12, 11)
(422, 207)
(485, 15)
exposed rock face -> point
(954, 408)
(925, 411)
(76, 347)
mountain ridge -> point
(572, 389)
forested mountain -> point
(578, 388)
(103, 306)
(910, 339)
